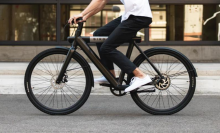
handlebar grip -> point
(77, 19)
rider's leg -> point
(138, 73)
(113, 72)
(124, 33)
(107, 63)
(106, 31)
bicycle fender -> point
(65, 48)
(61, 47)
(189, 63)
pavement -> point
(110, 114)
(12, 78)
(104, 112)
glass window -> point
(211, 23)
(85, 31)
(141, 34)
(78, 6)
(48, 22)
(92, 21)
(108, 16)
(193, 22)
(185, 23)
(157, 31)
(92, 24)
(28, 22)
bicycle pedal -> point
(151, 83)
(105, 84)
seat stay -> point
(152, 65)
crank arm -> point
(144, 91)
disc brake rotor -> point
(164, 83)
(55, 85)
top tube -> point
(98, 39)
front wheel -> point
(172, 93)
(50, 97)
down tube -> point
(96, 61)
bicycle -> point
(58, 81)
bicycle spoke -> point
(177, 78)
(72, 93)
(45, 68)
(41, 76)
(56, 69)
(42, 92)
(178, 87)
(177, 91)
(57, 96)
(74, 89)
(46, 93)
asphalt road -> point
(109, 114)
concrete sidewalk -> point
(12, 78)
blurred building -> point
(29, 26)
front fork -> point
(65, 65)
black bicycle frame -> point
(95, 59)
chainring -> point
(118, 92)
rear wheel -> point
(172, 93)
(53, 98)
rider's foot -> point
(101, 80)
(138, 82)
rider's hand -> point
(75, 17)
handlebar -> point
(77, 19)
(78, 31)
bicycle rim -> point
(174, 92)
(54, 98)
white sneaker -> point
(101, 80)
(137, 82)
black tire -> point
(176, 94)
(57, 99)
